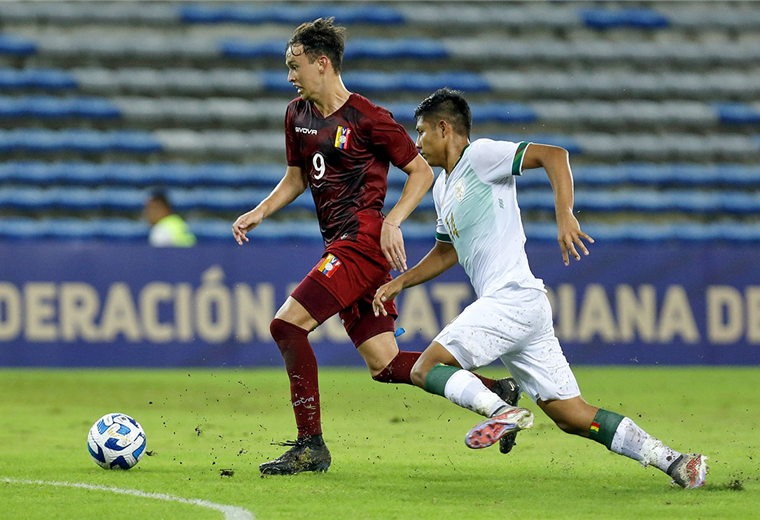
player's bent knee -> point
(377, 371)
(418, 374)
(282, 330)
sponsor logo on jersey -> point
(301, 130)
(459, 190)
(341, 137)
(329, 265)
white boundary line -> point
(229, 512)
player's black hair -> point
(321, 37)
(448, 105)
(160, 196)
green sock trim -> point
(435, 382)
(603, 427)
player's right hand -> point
(244, 224)
(383, 294)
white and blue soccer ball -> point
(116, 441)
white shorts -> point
(514, 324)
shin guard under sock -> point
(301, 365)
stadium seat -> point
(639, 18)
(657, 106)
(737, 113)
(16, 45)
(546, 84)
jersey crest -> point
(459, 189)
(329, 265)
(341, 137)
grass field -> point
(397, 452)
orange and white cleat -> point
(689, 471)
(488, 432)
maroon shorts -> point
(345, 281)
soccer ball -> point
(116, 441)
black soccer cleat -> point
(509, 391)
(306, 454)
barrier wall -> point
(106, 305)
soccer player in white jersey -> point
(479, 226)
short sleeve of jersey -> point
(292, 149)
(441, 233)
(393, 138)
(160, 236)
(494, 161)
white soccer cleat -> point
(488, 432)
(689, 471)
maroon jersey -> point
(345, 159)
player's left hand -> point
(384, 293)
(392, 245)
(570, 235)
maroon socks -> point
(301, 365)
(399, 370)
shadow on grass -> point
(732, 485)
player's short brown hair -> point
(321, 38)
(447, 105)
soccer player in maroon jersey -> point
(340, 145)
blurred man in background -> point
(167, 228)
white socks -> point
(635, 443)
(465, 389)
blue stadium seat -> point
(159, 82)
(16, 45)
(11, 108)
(202, 14)
(135, 142)
(39, 140)
(290, 15)
(15, 228)
(12, 79)
(72, 229)
(119, 229)
(647, 201)
(414, 48)
(50, 79)
(638, 18)
(87, 141)
(737, 113)
(42, 79)
(46, 107)
(94, 108)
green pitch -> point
(397, 452)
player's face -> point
(153, 211)
(430, 142)
(302, 74)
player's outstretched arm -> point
(391, 240)
(556, 162)
(439, 259)
(286, 191)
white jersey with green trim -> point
(478, 213)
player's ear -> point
(323, 61)
(444, 127)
